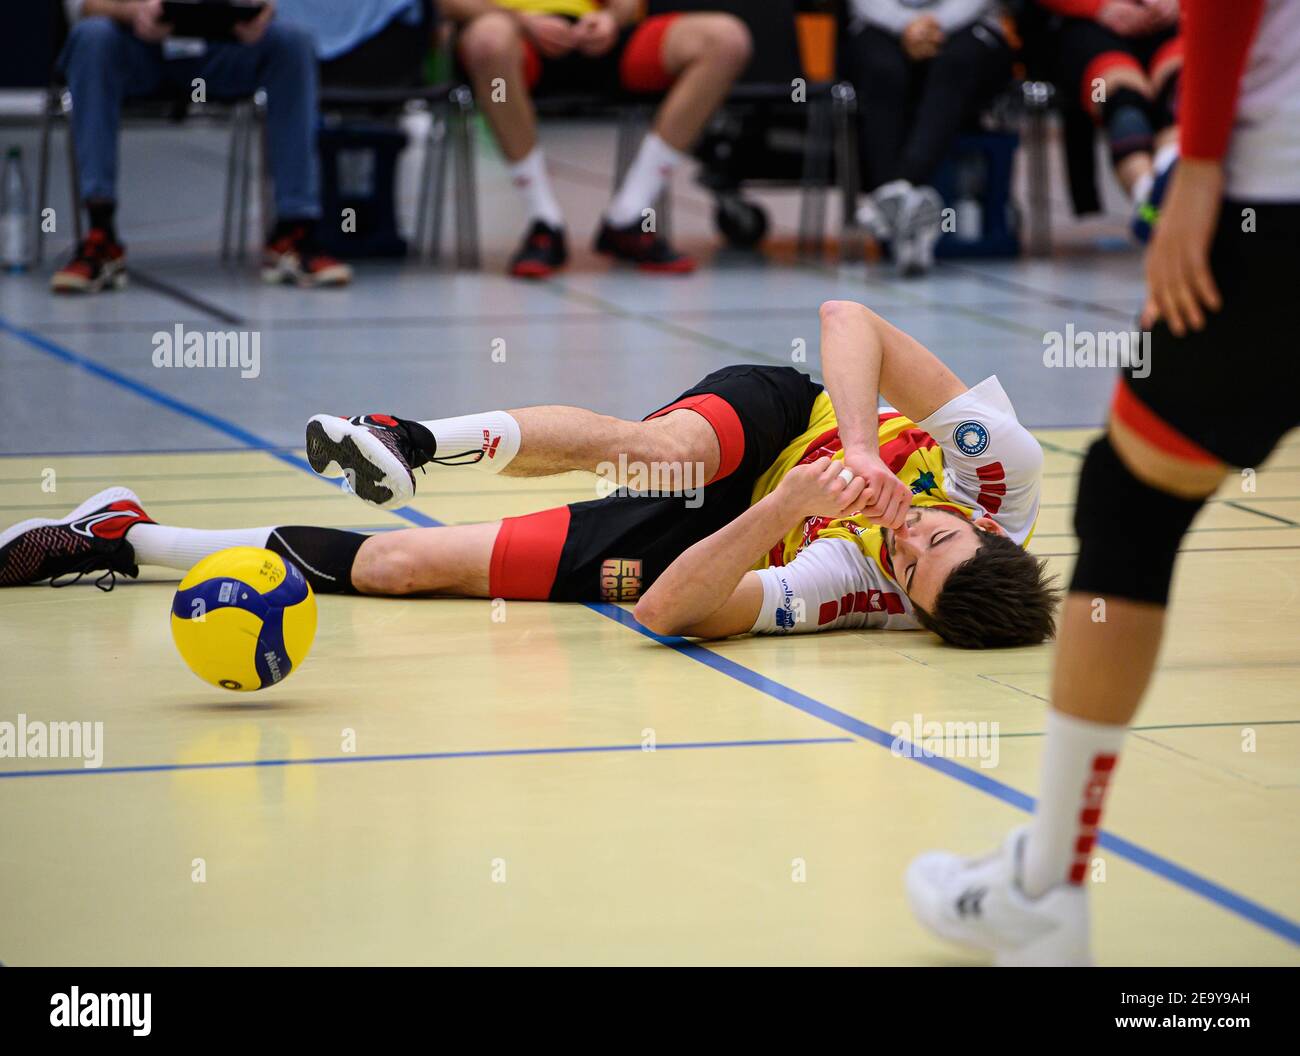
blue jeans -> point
(105, 63)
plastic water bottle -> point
(14, 216)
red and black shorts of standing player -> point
(613, 548)
(1227, 393)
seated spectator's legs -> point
(697, 58)
(284, 63)
(972, 65)
(104, 63)
(1112, 85)
(881, 75)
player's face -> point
(927, 548)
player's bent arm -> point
(710, 591)
(865, 357)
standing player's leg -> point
(377, 453)
(1170, 440)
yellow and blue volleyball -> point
(244, 618)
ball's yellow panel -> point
(263, 570)
(221, 648)
(300, 628)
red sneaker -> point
(98, 261)
(292, 255)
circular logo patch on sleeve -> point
(971, 438)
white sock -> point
(157, 544)
(1165, 156)
(1142, 187)
(654, 163)
(493, 435)
(1078, 760)
(530, 178)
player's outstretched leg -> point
(111, 533)
(376, 454)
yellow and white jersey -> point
(971, 455)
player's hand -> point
(1179, 281)
(147, 22)
(595, 32)
(1163, 12)
(250, 32)
(885, 499)
(922, 38)
(819, 489)
(554, 36)
(1128, 18)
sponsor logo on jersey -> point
(971, 438)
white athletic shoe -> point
(977, 902)
(917, 230)
(373, 453)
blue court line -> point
(1153, 863)
(483, 753)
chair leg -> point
(467, 243)
(424, 191)
(844, 106)
(816, 157)
(43, 176)
(237, 122)
(1039, 238)
(74, 177)
(444, 124)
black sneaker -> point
(373, 453)
(92, 538)
(646, 249)
(544, 251)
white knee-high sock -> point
(1078, 760)
(529, 176)
(654, 163)
(157, 544)
(487, 441)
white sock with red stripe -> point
(653, 164)
(157, 544)
(1078, 759)
(529, 176)
(487, 441)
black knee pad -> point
(1128, 531)
(1129, 122)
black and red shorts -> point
(1085, 49)
(634, 64)
(1230, 392)
(612, 549)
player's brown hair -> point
(1000, 597)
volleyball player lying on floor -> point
(925, 525)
